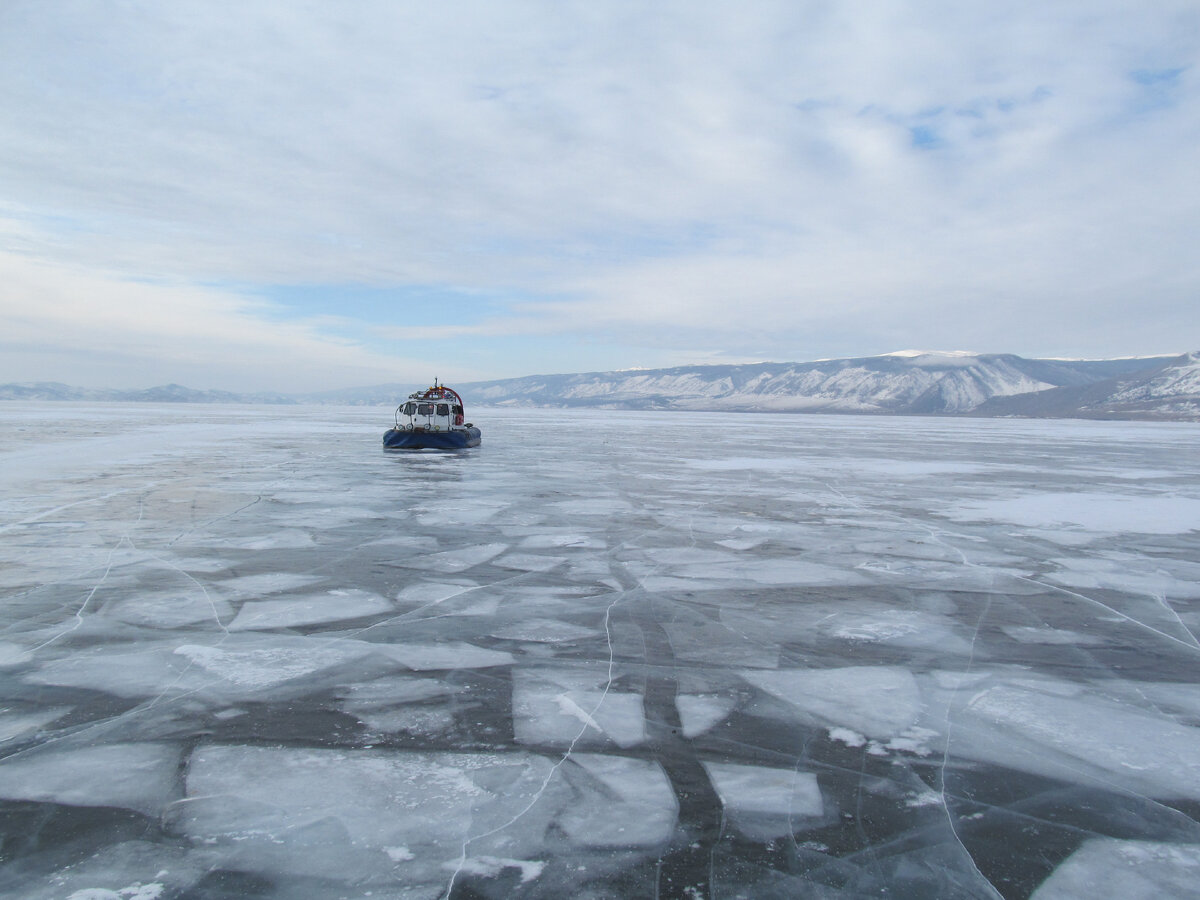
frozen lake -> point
(246, 653)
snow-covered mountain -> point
(1168, 390)
(910, 382)
(906, 382)
(167, 393)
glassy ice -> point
(245, 652)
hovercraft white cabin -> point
(432, 419)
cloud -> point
(840, 176)
(58, 321)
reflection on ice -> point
(772, 656)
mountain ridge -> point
(907, 382)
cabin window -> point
(457, 410)
(425, 409)
(410, 408)
(443, 409)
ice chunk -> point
(409, 720)
(20, 724)
(1134, 576)
(449, 655)
(847, 737)
(900, 627)
(558, 711)
(309, 610)
(12, 655)
(316, 811)
(491, 866)
(238, 666)
(1027, 634)
(138, 776)
(878, 701)
(700, 712)
(578, 540)
(269, 661)
(623, 802)
(1106, 868)
(283, 539)
(254, 586)
(545, 631)
(771, 571)
(453, 560)
(432, 592)
(529, 562)
(131, 870)
(1096, 511)
(1080, 735)
(765, 803)
(169, 610)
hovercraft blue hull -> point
(404, 439)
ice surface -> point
(765, 803)
(246, 653)
(140, 777)
(879, 701)
(1106, 868)
(329, 607)
(638, 807)
(553, 708)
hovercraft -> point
(432, 419)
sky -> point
(292, 196)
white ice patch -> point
(420, 721)
(491, 866)
(556, 710)
(1027, 634)
(543, 631)
(12, 655)
(140, 776)
(1137, 576)
(1114, 513)
(247, 587)
(453, 560)
(575, 540)
(432, 592)
(1111, 869)
(900, 627)
(765, 803)
(700, 712)
(774, 572)
(270, 661)
(283, 539)
(847, 737)
(592, 506)
(448, 655)
(130, 870)
(878, 701)
(1080, 737)
(529, 562)
(14, 725)
(172, 610)
(136, 891)
(741, 544)
(624, 802)
(331, 606)
(241, 666)
(378, 814)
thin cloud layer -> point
(783, 181)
